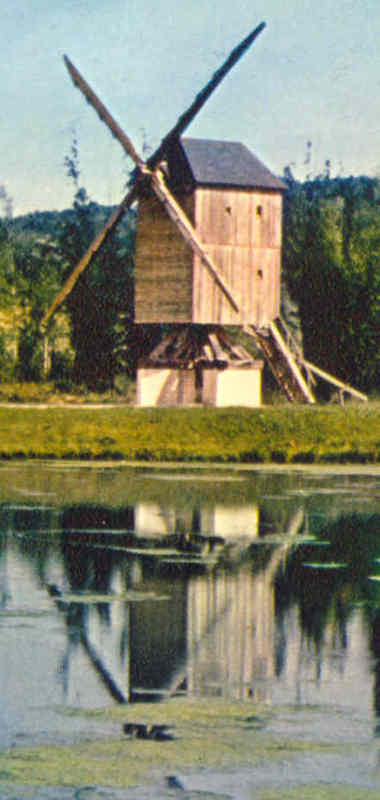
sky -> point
(313, 75)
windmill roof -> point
(227, 163)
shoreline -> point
(284, 435)
(196, 466)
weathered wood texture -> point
(163, 267)
(241, 231)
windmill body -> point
(235, 206)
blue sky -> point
(312, 75)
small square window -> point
(259, 211)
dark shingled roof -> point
(227, 164)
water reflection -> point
(204, 590)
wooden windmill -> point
(208, 256)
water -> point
(129, 585)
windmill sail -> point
(94, 248)
(147, 168)
(187, 117)
(103, 112)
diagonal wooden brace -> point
(183, 223)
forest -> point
(331, 276)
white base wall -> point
(235, 386)
(165, 387)
(231, 522)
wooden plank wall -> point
(241, 230)
(163, 267)
(242, 233)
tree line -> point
(331, 270)
(331, 266)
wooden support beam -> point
(291, 361)
(184, 120)
(344, 387)
(187, 117)
(103, 112)
(172, 208)
(95, 246)
(183, 223)
(282, 363)
(219, 354)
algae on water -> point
(208, 734)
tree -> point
(331, 260)
(6, 267)
(6, 201)
(100, 305)
(37, 276)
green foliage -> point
(37, 252)
(284, 435)
(30, 354)
(58, 392)
(26, 392)
(61, 370)
(101, 303)
(6, 267)
(6, 362)
(38, 273)
(331, 260)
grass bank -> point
(288, 434)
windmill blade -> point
(129, 199)
(172, 207)
(102, 112)
(184, 120)
(94, 248)
(183, 223)
(187, 117)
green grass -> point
(288, 434)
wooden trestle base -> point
(199, 364)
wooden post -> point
(46, 355)
(344, 387)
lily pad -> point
(157, 552)
(94, 597)
(24, 613)
(284, 538)
(103, 531)
(189, 560)
(327, 565)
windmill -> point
(208, 256)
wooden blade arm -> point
(102, 112)
(187, 117)
(94, 248)
(345, 387)
(184, 120)
(183, 223)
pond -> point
(129, 585)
